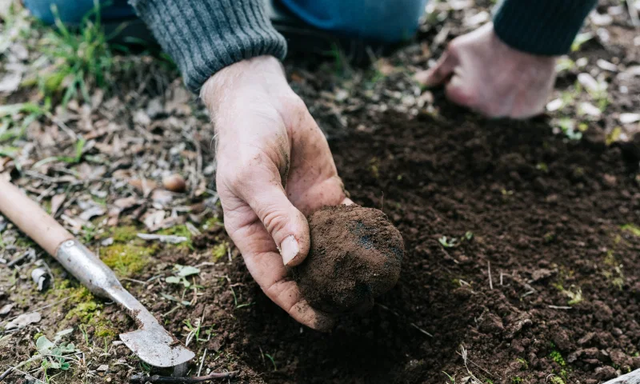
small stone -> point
(629, 118)
(609, 180)
(6, 309)
(174, 183)
(24, 320)
(103, 368)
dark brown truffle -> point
(355, 256)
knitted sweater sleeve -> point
(542, 27)
(204, 36)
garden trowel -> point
(152, 343)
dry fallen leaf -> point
(56, 203)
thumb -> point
(440, 72)
(285, 223)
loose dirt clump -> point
(355, 256)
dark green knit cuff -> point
(204, 36)
(541, 27)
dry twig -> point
(141, 379)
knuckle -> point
(453, 47)
(273, 219)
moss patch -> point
(219, 251)
(211, 223)
(105, 329)
(557, 357)
(84, 311)
(633, 229)
(179, 230)
(127, 259)
(124, 234)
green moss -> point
(179, 230)
(81, 301)
(211, 223)
(105, 329)
(124, 234)
(557, 357)
(516, 380)
(127, 259)
(219, 251)
(84, 311)
(556, 380)
(523, 363)
(633, 229)
(74, 292)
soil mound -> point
(355, 256)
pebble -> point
(6, 309)
(174, 183)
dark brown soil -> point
(547, 285)
(355, 256)
(521, 261)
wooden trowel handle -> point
(31, 219)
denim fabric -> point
(380, 20)
(72, 11)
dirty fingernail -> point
(289, 249)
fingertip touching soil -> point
(355, 256)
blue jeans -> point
(380, 20)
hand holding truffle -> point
(274, 167)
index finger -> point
(440, 72)
(265, 265)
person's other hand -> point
(274, 167)
(483, 73)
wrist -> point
(253, 75)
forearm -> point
(205, 36)
(541, 27)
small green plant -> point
(632, 228)
(516, 380)
(575, 297)
(568, 127)
(194, 332)
(56, 355)
(275, 367)
(556, 380)
(14, 121)
(542, 167)
(452, 242)
(523, 363)
(88, 233)
(580, 40)
(448, 242)
(219, 251)
(75, 159)
(80, 58)
(181, 272)
(557, 357)
(452, 380)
